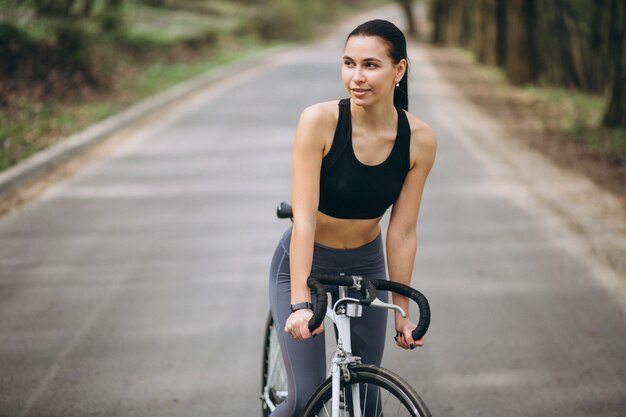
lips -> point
(360, 91)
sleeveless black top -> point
(350, 189)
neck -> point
(377, 114)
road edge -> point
(39, 164)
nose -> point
(358, 76)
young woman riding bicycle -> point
(352, 160)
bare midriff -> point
(345, 233)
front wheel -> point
(381, 393)
(274, 375)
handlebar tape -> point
(317, 282)
(368, 290)
(413, 294)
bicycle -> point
(352, 388)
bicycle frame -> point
(342, 311)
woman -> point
(352, 160)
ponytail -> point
(401, 92)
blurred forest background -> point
(567, 59)
(65, 64)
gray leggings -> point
(305, 361)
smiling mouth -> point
(360, 90)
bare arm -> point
(401, 234)
(306, 164)
(308, 151)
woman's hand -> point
(403, 338)
(298, 325)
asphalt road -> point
(139, 286)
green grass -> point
(34, 125)
(159, 74)
(578, 114)
(575, 113)
(155, 49)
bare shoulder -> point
(423, 140)
(422, 135)
(317, 123)
(321, 114)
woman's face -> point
(368, 72)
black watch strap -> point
(301, 306)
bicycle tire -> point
(404, 396)
(277, 386)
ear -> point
(400, 70)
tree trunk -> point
(407, 7)
(599, 61)
(112, 16)
(466, 22)
(87, 8)
(567, 65)
(60, 8)
(438, 11)
(453, 25)
(520, 61)
(501, 32)
(616, 110)
(486, 36)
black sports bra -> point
(350, 189)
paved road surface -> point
(138, 287)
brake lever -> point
(379, 304)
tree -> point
(407, 7)
(520, 59)
(615, 114)
(490, 33)
(439, 11)
(113, 16)
(61, 8)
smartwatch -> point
(301, 306)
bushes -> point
(271, 23)
(66, 59)
(290, 20)
(14, 44)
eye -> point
(371, 65)
(348, 63)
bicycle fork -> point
(343, 358)
(339, 369)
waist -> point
(336, 233)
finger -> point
(408, 337)
(400, 340)
(291, 329)
(399, 343)
(293, 334)
(319, 330)
(297, 334)
(305, 334)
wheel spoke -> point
(377, 400)
(384, 405)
